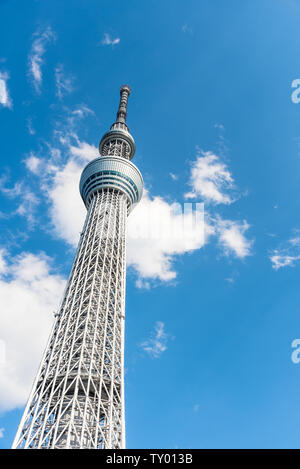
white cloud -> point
(33, 163)
(186, 28)
(82, 111)
(157, 231)
(27, 207)
(173, 176)
(219, 126)
(27, 200)
(287, 254)
(61, 184)
(67, 210)
(210, 179)
(30, 128)
(157, 343)
(232, 238)
(10, 192)
(29, 294)
(2, 432)
(230, 279)
(282, 260)
(59, 173)
(36, 56)
(64, 83)
(295, 241)
(73, 120)
(108, 41)
(3, 266)
(84, 150)
(5, 99)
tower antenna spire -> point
(125, 91)
(118, 141)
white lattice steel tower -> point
(77, 400)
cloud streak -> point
(108, 41)
(27, 201)
(157, 343)
(5, 99)
(64, 83)
(36, 56)
(287, 254)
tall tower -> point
(77, 400)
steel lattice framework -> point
(77, 400)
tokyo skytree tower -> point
(77, 400)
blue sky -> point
(209, 326)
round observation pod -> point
(120, 138)
(111, 172)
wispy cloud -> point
(83, 150)
(186, 28)
(2, 261)
(36, 56)
(287, 254)
(109, 41)
(10, 192)
(75, 115)
(33, 163)
(157, 343)
(232, 278)
(173, 176)
(64, 83)
(5, 99)
(232, 237)
(283, 260)
(211, 179)
(30, 128)
(28, 205)
(27, 201)
(1, 432)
